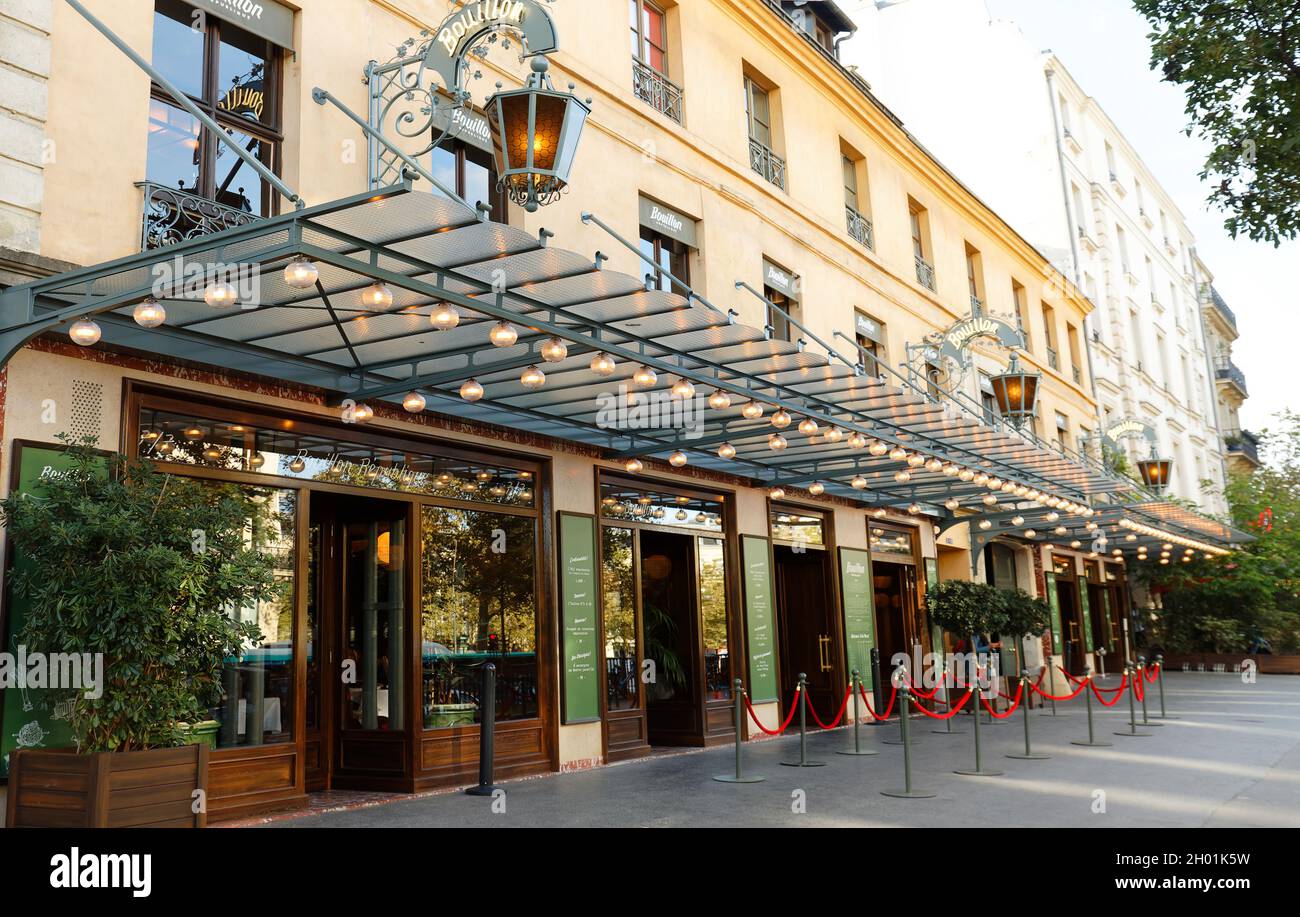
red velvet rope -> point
(917, 692)
(843, 706)
(1139, 689)
(1010, 710)
(1118, 692)
(1077, 691)
(1153, 673)
(879, 716)
(782, 728)
(1077, 681)
(951, 713)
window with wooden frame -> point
(649, 32)
(233, 77)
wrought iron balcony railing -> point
(766, 163)
(1229, 372)
(976, 306)
(1053, 359)
(656, 90)
(860, 227)
(1243, 443)
(170, 215)
(925, 273)
(1222, 308)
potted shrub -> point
(967, 609)
(444, 707)
(141, 568)
(1026, 616)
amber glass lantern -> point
(1016, 392)
(535, 131)
(1155, 472)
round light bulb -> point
(256, 460)
(301, 274)
(776, 442)
(677, 459)
(471, 390)
(377, 296)
(633, 466)
(719, 400)
(1017, 520)
(858, 482)
(727, 451)
(857, 440)
(985, 525)
(878, 448)
(966, 475)
(776, 493)
(444, 317)
(414, 403)
(898, 453)
(834, 434)
(915, 509)
(84, 332)
(645, 377)
(1030, 533)
(532, 378)
(952, 503)
(683, 389)
(602, 364)
(298, 465)
(902, 477)
(149, 313)
(752, 410)
(816, 488)
(808, 426)
(362, 413)
(503, 334)
(781, 419)
(554, 350)
(990, 500)
(219, 295)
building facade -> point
(699, 235)
(1239, 445)
(1062, 172)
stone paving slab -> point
(1232, 758)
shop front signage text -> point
(477, 16)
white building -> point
(1009, 119)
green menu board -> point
(932, 580)
(1054, 603)
(1086, 614)
(580, 678)
(29, 718)
(1109, 621)
(758, 619)
(859, 615)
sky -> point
(1104, 45)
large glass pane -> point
(178, 46)
(619, 592)
(259, 685)
(798, 528)
(443, 167)
(629, 504)
(477, 186)
(315, 674)
(242, 75)
(374, 611)
(237, 184)
(891, 541)
(713, 619)
(478, 605)
(172, 159)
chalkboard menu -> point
(580, 678)
(758, 619)
(859, 615)
(29, 719)
(1085, 613)
(932, 580)
(1054, 602)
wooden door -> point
(809, 641)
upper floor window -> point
(855, 203)
(781, 288)
(1020, 303)
(919, 223)
(233, 77)
(759, 119)
(870, 334)
(671, 255)
(974, 280)
(471, 173)
(649, 34)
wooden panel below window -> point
(625, 735)
(450, 757)
(244, 781)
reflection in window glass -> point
(629, 504)
(259, 685)
(619, 592)
(891, 541)
(178, 47)
(237, 185)
(713, 619)
(478, 605)
(374, 601)
(172, 158)
(797, 528)
(241, 77)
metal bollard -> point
(904, 737)
(803, 728)
(855, 685)
(1160, 680)
(877, 688)
(908, 791)
(487, 734)
(739, 777)
(979, 770)
(1029, 754)
(1142, 668)
(947, 729)
(1132, 710)
(1087, 700)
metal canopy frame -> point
(431, 249)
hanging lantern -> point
(683, 389)
(1155, 471)
(1016, 392)
(645, 377)
(878, 448)
(503, 334)
(834, 434)
(554, 350)
(781, 419)
(602, 364)
(471, 390)
(776, 493)
(816, 488)
(752, 410)
(414, 403)
(915, 509)
(375, 296)
(858, 482)
(776, 442)
(898, 454)
(535, 132)
(902, 477)
(857, 440)
(362, 413)
(719, 400)
(445, 317)
(727, 451)
(532, 378)
(149, 313)
(633, 466)
(677, 459)
(301, 274)
(84, 332)
(951, 504)
(808, 426)
(219, 295)
(298, 464)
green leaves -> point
(108, 567)
(967, 608)
(1238, 61)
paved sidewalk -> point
(1231, 759)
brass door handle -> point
(824, 652)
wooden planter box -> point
(1265, 663)
(134, 789)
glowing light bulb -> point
(858, 482)
(781, 419)
(602, 364)
(816, 488)
(84, 332)
(362, 413)
(503, 334)
(719, 400)
(444, 317)
(952, 503)
(532, 378)
(902, 477)
(752, 410)
(834, 434)
(683, 389)
(857, 440)
(808, 426)
(898, 453)
(727, 451)
(776, 493)
(966, 475)
(554, 350)
(985, 525)
(633, 466)
(471, 390)
(645, 377)
(301, 274)
(414, 403)
(149, 313)
(677, 459)
(376, 296)
(990, 500)
(776, 442)
(219, 295)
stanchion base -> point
(483, 790)
(908, 794)
(979, 773)
(1031, 757)
(1093, 744)
(803, 763)
(1167, 716)
(1136, 735)
(732, 778)
(1152, 725)
(861, 754)
(944, 732)
(897, 742)
(1055, 715)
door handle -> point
(824, 652)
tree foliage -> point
(966, 608)
(144, 568)
(1238, 62)
(1026, 616)
(1226, 604)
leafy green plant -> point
(145, 568)
(966, 608)
(1026, 616)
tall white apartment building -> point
(1011, 121)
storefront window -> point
(375, 613)
(798, 528)
(713, 618)
(886, 540)
(186, 439)
(471, 173)
(668, 255)
(478, 605)
(631, 504)
(618, 586)
(259, 685)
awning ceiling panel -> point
(428, 249)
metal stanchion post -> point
(904, 736)
(1101, 661)
(979, 770)
(1142, 670)
(905, 699)
(1029, 754)
(803, 728)
(1087, 700)
(487, 735)
(855, 685)
(1160, 680)
(1051, 697)
(738, 688)
(877, 688)
(947, 729)
(1130, 671)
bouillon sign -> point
(462, 30)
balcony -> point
(170, 215)
(859, 227)
(1077, 375)
(766, 163)
(976, 306)
(1243, 444)
(925, 273)
(1053, 359)
(1222, 309)
(656, 90)
(1227, 371)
